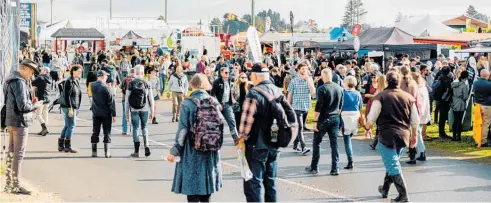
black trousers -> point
(199, 198)
(106, 123)
(457, 124)
(444, 107)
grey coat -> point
(460, 94)
(198, 173)
(18, 101)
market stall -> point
(71, 38)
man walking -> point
(255, 128)
(19, 108)
(139, 102)
(222, 91)
(125, 67)
(327, 120)
(300, 91)
(482, 95)
(103, 113)
(41, 84)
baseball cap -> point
(31, 64)
(101, 73)
(259, 68)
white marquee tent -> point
(424, 27)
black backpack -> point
(286, 125)
(138, 96)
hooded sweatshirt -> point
(41, 83)
(460, 94)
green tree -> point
(247, 18)
(259, 24)
(216, 26)
(399, 17)
(354, 14)
(161, 17)
(471, 11)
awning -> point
(307, 44)
(461, 39)
(479, 49)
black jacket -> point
(41, 83)
(18, 103)
(71, 96)
(103, 104)
(262, 118)
(218, 90)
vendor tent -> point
(131, 35)
(427, 26)
(382, 39)
(337, 33)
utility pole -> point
(51, 12)
(110, 9)
(253, 18)
(165, 11)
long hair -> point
(238, 82)
(381, 83)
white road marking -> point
(279, 179)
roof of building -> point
(454, 39)
(86, 33)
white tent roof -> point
(270, 37)
(427, 26)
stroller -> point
(58, 95)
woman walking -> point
(70, 99)
(178, 84)
(460, 95)
(380, 87)
(198, 174)
(424, 115)
(155, 85)
(350, 113)
(241, 88)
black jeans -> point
(331, 127)
(106, 124)
(263, 165)
(457, 124)
(444, 107)
(300, 137)
(437, 109)
(199, 198)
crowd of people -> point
(398, 100)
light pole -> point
(165, 11)
(110, 9)
(253, 19)
(51, 12)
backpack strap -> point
(265, 93)
(195, 101)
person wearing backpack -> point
(139, 104)
(178, 84)
(70, 100)
(263, 104)
(327, 120)
(113, 77)
(443, 95)
(198, 173)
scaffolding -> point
(9, 40)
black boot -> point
(401, 188)
(44, 132)
(384, 189)
(349, 166)
(68, 147)
(136, 154)
(147, 151)
(422, 156)
(107, 150)
(154, 121)
(94, 149)
(412, 156)
(61, 144)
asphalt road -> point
(79, 177)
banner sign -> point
(25, 15)
(254, 44)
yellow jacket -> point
(477, 125)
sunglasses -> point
(243, 77)
(226, 72)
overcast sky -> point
(326, 12)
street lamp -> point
(51, 12)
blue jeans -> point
(229, 115)
(125, 123)
(348, 147)
(162, 82)
(391, 157)
(263, 165)
(137, 119)
(331, 127)
(70, 124)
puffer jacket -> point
(460, 94)
(18, 101)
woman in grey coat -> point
(198, 174)
(460, 94)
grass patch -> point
(463, 150)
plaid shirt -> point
(300, 94)
(249, 109)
